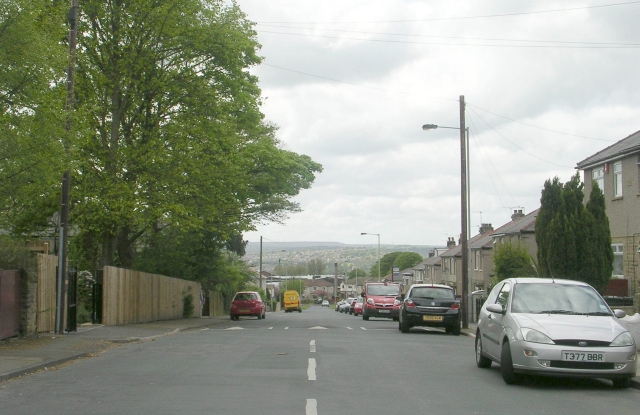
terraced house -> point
(616, 169)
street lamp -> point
(464, 202)
(378, 235)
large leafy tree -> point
(407, 260)
(573, 241)
(168, 137)
(32, 67)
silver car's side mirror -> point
(495, 308)
(619, 313)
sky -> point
(350, 84)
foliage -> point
(386, 262)
(14, 254)
(294, 285)
(360, 273)
(167, 135)
(407, 260)
(187, 304)
(316, 266)
(512, 260)
(574, 241)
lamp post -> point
(464, 202)
(378, 235)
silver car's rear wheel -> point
(481, 361)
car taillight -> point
(455, 306)
(410, 303)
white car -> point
(325, 303)
(552, 327)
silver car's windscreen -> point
(557, 299)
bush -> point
(187, 304)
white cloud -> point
(383, 174)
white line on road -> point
(312, 346)
(311, 371)
(362, 328)
(312, 407)
(204, 329)
(286, 328)
(349, 328)
(270, 328)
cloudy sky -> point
(351, 82)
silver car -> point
(554, 328)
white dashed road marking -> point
(311, 371)
(312, 407)
(312, 346)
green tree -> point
(32, 97)
(316, 266)
(168, 137)
(603, 257)
(386, 262)
(512, 260)
(407, 260)
(358, 272)
(574, 241)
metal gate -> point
(72, 305)
(9, 303)
(96, 299)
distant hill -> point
(347, 256)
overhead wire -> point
(466, 17)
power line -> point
(517, 146)
(452, 37)
(469, 17)
(594, 46)
(425, 96)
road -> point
(315, 362)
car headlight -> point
(395, 303)
(624, 339)
(534, 336)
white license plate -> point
(384, 311)
(575, 356)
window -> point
(478, 265)
(598, 176)
(618, 255)
(617, 179)
(503, 296)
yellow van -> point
(292, 301)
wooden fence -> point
(46, 292)
(216, 304)
(138, 297)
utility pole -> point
(464, 213)
(335, 282)
(66, 177)
(260, 270)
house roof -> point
(628, 145)
(525, 224)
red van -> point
(381, 299)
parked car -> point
(338, 304)
(247, 303)
(344, 307)
(431, 305)
(556, 328)
(381, 299)
(352, 305)
(357, 307)
(325, 303)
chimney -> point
(517, 214)
(432, 254)
(485, 227)
(451, 242)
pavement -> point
(20, 356)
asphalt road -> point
(315, 362)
